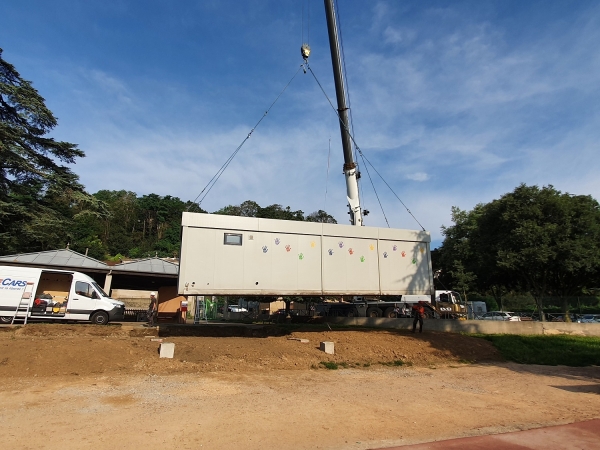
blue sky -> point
(454, 103)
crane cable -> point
(307, 23)
(216, 177)
(363, 156)
(327, 177)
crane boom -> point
(350, 172)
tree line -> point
(137, 227)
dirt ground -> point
(83, 386)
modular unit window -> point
(232, 239)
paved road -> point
(575, 436)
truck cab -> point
(449, 305)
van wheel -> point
(99, 318)
(374, 312)
(5, 319)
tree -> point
(278, 212)
(549, 240)
(536, 240)
(250, 208)
(32, 174)
(117, 231)
(321, 217)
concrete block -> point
(167, 349)
(327, 347)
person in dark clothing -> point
(152, 309)
(419, 312)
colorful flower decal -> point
(403, 254)
(265, 249)
(277, 241)
(312, 244)
(371, 247)
(362, 259)
(301, 256)
(288, 248)
(414, 261)
(385, 254)
(422, 250)
(395, 247)
(330, 251)
(341, 244)
(351, 251)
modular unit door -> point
(284, 263)
(309, 264)
(350, 265)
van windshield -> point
(99, 289)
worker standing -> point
(152, 309)
(419, 311)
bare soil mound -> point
(39, 350)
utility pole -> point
(350, 171)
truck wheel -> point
(99, 318)
(390, 312)
(374, 312)
(5, 319)
(351, 313)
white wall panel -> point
(404, 267)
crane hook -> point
(305, 50)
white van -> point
(28, 293)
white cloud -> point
(417, 176)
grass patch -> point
(396, 363)
(330, 365)
(575, 351)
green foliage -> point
(321, 217)
(330, 365)
(464, 281)
(396, 363)
(137, 226)
(556, 350)
(280, 213)
(250, 208)
(533, 240)
(118, 258)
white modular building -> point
(229, 255)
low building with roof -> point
(134, 277)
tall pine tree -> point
(39, 194)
